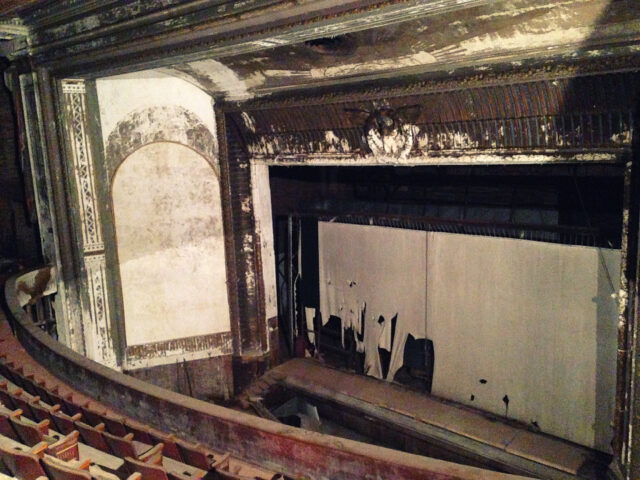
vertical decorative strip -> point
(95, 266)
(96, 315)
(75, 96)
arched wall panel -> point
(168, 219)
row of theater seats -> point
(45, 434)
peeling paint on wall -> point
(261, 193)
(96, 313)
(248, 122)
(213, 76)
(245, 205)
(94, 296)
(155, 124)
(404, 61)
(182, 349)
(419, 42)
(247, 248)
(121, 95)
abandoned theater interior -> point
(319, 239)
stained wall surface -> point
(168, 217)
(529, 322)
(122, 94)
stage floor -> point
(502, 443)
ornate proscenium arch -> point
(167, 123)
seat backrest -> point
(115, 425)
(170, 447)
(5, 397)
(23, 403)
(30, 434)
(11, 374)
(44, 393)
(64, 423)
(90, 415)
(148, 471)
(5, 372)
(59, 470)
(6, 428)
(92, 436)
(66, 448)
(195, 455)
(22, 464)
(29, 384)
(58, 399)
(19, 377)
(42, 412)
(68, 405)
(139, 430)
(120, 446)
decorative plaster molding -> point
(74, 94)
(179, 349)
(73, 86)
(10, 29)
(95, 314)
(102, 351)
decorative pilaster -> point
(69, 325)
(96, 315)
(75, 94)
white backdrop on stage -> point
(383, 269)
(533, 323)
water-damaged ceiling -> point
(245, 49)
(479, 37)
(9, 7)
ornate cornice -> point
(462, 79)
(10, 29)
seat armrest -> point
(153, 455)
(39, 448)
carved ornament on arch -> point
(164, 123)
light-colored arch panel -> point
(170, 243)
